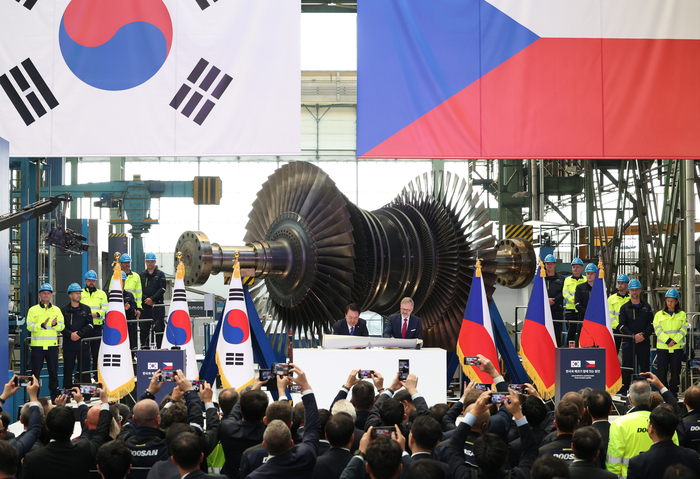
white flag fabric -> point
(150, 77)
(178, 332)
(115, 369)
(234, 351)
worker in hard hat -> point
(671, 327)
(45, 322)
(130, 311)
(636, 318)
(569, 292)
(132, 285)
(615, 302)
(97, 300)
(153, 284)
(77, 318)
(555, 288)
(583, 291)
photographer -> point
(381, 456)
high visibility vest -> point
(133, 286)
(97, 302)
(44, 337)
(615, 302)
(669, 326)
(569, 291)
(628, 438)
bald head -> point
(482, 420)
(146, 413)
(93, 416)
(575, 398)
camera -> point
(24, 381)
(403, 369)
(88, 389)
(471, 361)
(382, 431)
(266, 375)
(638, 377)
(281, 369)
(167, 376)
(365, 374)
(518, 388)
(482, 387)
(196, 385)
(295, 389)
(498, 398)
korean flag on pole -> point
(114, 367)
(234, 352)
(179, 329)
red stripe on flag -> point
(592, 331)
(475, 339)
(536, 345)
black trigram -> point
(203, 3)
(235, 359)
(179, 295)
(29, 4)
(112, 360)
(25, 92)
(235, 294)
(116, 296)
(195, 93)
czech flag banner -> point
(537, 341)
(115, 369)
(234, 352)
(179, 329)
(476, 334)
(597, 331)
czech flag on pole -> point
(115, 369)
(179, 329)
(476, 334)
(234, 352)
(597, 331)
(537, 341)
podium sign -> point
(150, 361)
(578, 368)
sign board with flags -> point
(175, 77)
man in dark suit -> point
(403, 325)
(287, 461)
(8, 460)
(566, 422)
(352, 325)
(387, 411)
(61, 458)
(651, 464)
(691, 418)
(115, 458)
(340, 432)
(362, 396)
(188, 455)
(381, 456)
(599, 406)
(424, 436)
(586, 445)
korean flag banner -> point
(150, 77)
(179, 329)
(114, 367)
(234, 351)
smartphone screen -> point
(88, 389)
(471, 361)
(365, 374)
(403, 369)
(266, 374)
(518, 388)
(498, 398)
(482, 386)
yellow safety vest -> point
(615, 302)
(670, 326)
(44, 337)
(133, 286)
(97, 302)
(628, 438)
(569, 291)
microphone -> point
(583, 328)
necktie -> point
(405, 327)
(352, 331)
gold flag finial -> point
(117, 255)
(236, 265)
(601, 270)
(478, 268)
(178, 255)
(180, 270)
(543, 271)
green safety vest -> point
(670, 326)
(133, 286)
(569, 291)
(97, 302)
(615, 302)
(48, 336)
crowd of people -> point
(374, 428)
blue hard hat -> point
(635, 284)
(74, 287)
(623, 278)
(577, 261)
(550, 259)
(672, 293)
(125, 258)
(150, 256)
(591, 268)
(123, 276)
(91, 275)
(46, 287)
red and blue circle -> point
(235, 327)
(115, 332)
(115, 45)
(179, 330)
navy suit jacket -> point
(653, 463)
(341, 327)
(395, 324)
